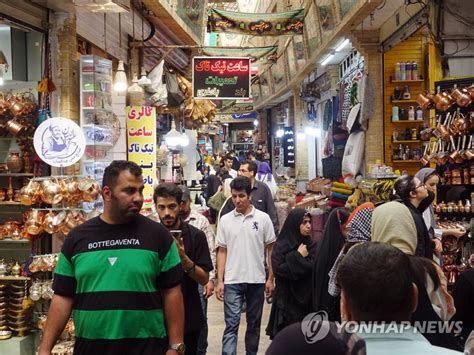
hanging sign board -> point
(59, 142)
(221, 77)
(141, 146)
(288, 145)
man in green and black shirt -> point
(120, 275)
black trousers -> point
(191, 342)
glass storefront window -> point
(311, 29)
(346, 6)
(326, 15)
(278, 73)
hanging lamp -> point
(173, 138)
(120, 81)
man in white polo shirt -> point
(242, 237)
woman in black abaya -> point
(292, 260)
(326, 254)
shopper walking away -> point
(260, 194)
(378, 289)
(292, 263)
(195, 259)
(119, 305)
(327, 250)
(200, 222)
(243, 236)
(264, 174)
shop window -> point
(326, 15)
(346, 6)
(311, 29)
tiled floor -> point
(215, 314)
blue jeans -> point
(234, 296)
(202, 343)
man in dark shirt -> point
(119, 305)
(195, 259)
(261, 195)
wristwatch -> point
(179, 347)
(191, 270)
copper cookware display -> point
(462, 97)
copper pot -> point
(34, 222)
(425, 100)
(48, 225)
(462, 97)
(30, 194)
(442, 130)
(14, 162)
(443, 101)
(16, 106)
(15, 127)
(90, 189)
(462, 124)
(470, 91)
(51, 191)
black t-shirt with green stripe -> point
(114, 273)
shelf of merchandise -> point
(411, 49)
(406, 142)
(407, 121)
(407, 81)
(404, 102)
(16, 175)
(14, 278)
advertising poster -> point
(141, 145)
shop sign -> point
(288, 146)
(59, 142)
(221, 77)
(141, 145)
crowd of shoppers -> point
(134, 286)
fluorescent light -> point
(343, 44)
(313, 131)
(327, 59)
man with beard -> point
(195, 259)
(200, 222)
(119, 274)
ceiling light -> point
(279, 133)
(255, 123)
(120, 82)
(327, 59)
(173, 138)
(342, 45)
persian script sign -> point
(221, 77)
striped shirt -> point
(114, 273)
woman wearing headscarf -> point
(327, 251)
(264, 174)
(430, 178)
(358, 231)
(292, 261)
(411, 192)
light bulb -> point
(255, 123)
(120, 82)
(184, 140)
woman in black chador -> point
(292, 261)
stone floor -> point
(215, 314)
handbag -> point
(332, 167)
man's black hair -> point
(112, 172)
(228, 157)
(252, 166)
(241, 183)
(168, 190)
(376, 280)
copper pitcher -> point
(51, 191)
(425, 100)
(16, 106)
(462, 97)
(15, 127)
(443, 101)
